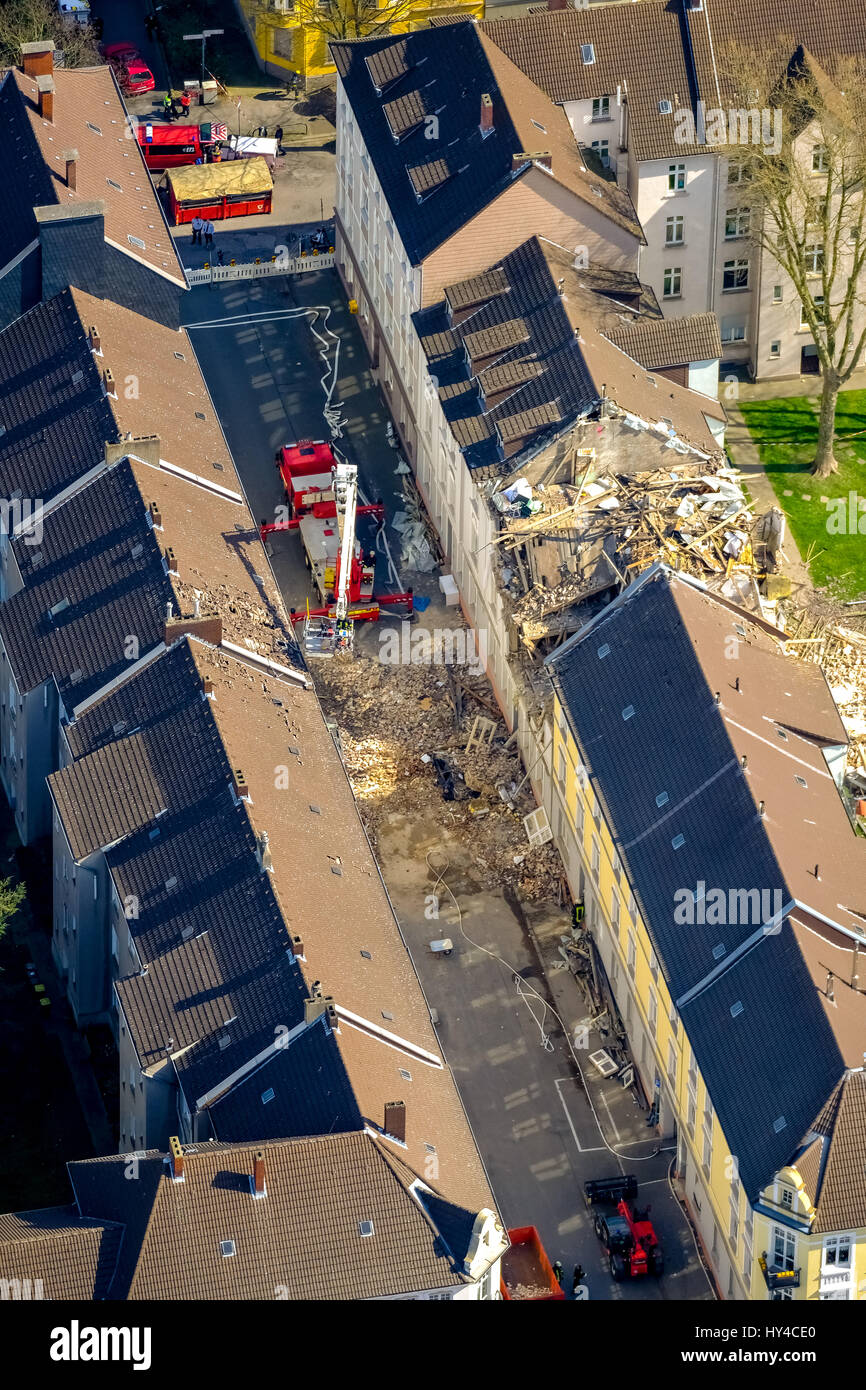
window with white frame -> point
(602, 149)
(673, 282)
(654, 965)
(737, 222)
(734, 1217)
(632, 906)
(632, 953)
(676, 178)
(820, 159)
(777, 294)
(707, 1156)
(693, 1094)
(674, 231)
(814, 258)
(560, 768)
(653, 1011)
(787, 1198)
(748, 1232)
(672, 1063)
(836, 1252)
(817, 300)
(776, 348)
(614, 909)
(596, 858)
(784, 1251)
(737, 172)
(735, 275)
(601, 108)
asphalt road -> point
(535, 1126)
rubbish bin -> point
(208, 93)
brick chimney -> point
(37, 59)
(207, 688)
(94, 337)
(257, 1180)
(71, 157)
(395, 1120)
(108, 382)
(239, 782)
(45, 86)
(155, 516)
(486, 122)
(208, 628)
(176, 1159)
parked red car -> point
(133, 74)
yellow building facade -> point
(740, 1241)
(288, 41)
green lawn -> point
(786, 432)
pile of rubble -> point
(841, 653)
(417, 763)
(561, 543)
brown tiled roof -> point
(406, 112)
(670, 342)
(808, 1165)
(471, 429)
(529, 108)
(467, 293)
(826, 31)
(524, 422)
(505, 375)
(302, 1240)
(73, 1257)
(388, 64)
(497, 338)
(429, 175)
(89, 116)
(637, 45)
(105, 796)
(841, 1200)
(439, 344)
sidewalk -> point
(791, 386)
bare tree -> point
(349, 19)
(805, 191)
(32, 21)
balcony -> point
(776, 1278)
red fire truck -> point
(322, 505)
(167, 145)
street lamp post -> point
(204, 36)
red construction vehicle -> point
(627, 1234)
(322, 503)
(527, 1273)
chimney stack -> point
(71, 157)
(108, 383)
(171, 560)
(208, 627)
(239, 782)
(258, 1178)
(298, 947)
(176, 1155)
(395, 1120)
(93, 333)
(37, 59)
(207, 687)
(155, 517)
(486, 121)
(45, 87)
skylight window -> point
(628, 712)
(665, 107)
(780, 1124)
(113, 184)
(268, 1095)
(406, 1075)
(227, 1248)
(782, 734)
(587, 53)
(801, 781)
(678, 841)
(94, 128)
(718, 951)
(365, 1228)
(539, 126)
(662, 799)
(603, 651)
(736, 1009)
(136, 241)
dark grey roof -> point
(517, 347)
(193, 875)
(107, 795)
(649, 727)
(94, 583)
(55, 416)
(451, 86)
(27, 181)
(302, 1089)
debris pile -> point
(562, 543)
(841, 653)
(417, 762)
(419, 547)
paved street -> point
(533, 1121)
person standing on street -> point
(168, 106)
(197, 229)
(150, 25)
(578, 1279)
(185, 102)
(207, 228)
(558, 1270)
(278, 136)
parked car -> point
(133, 74)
